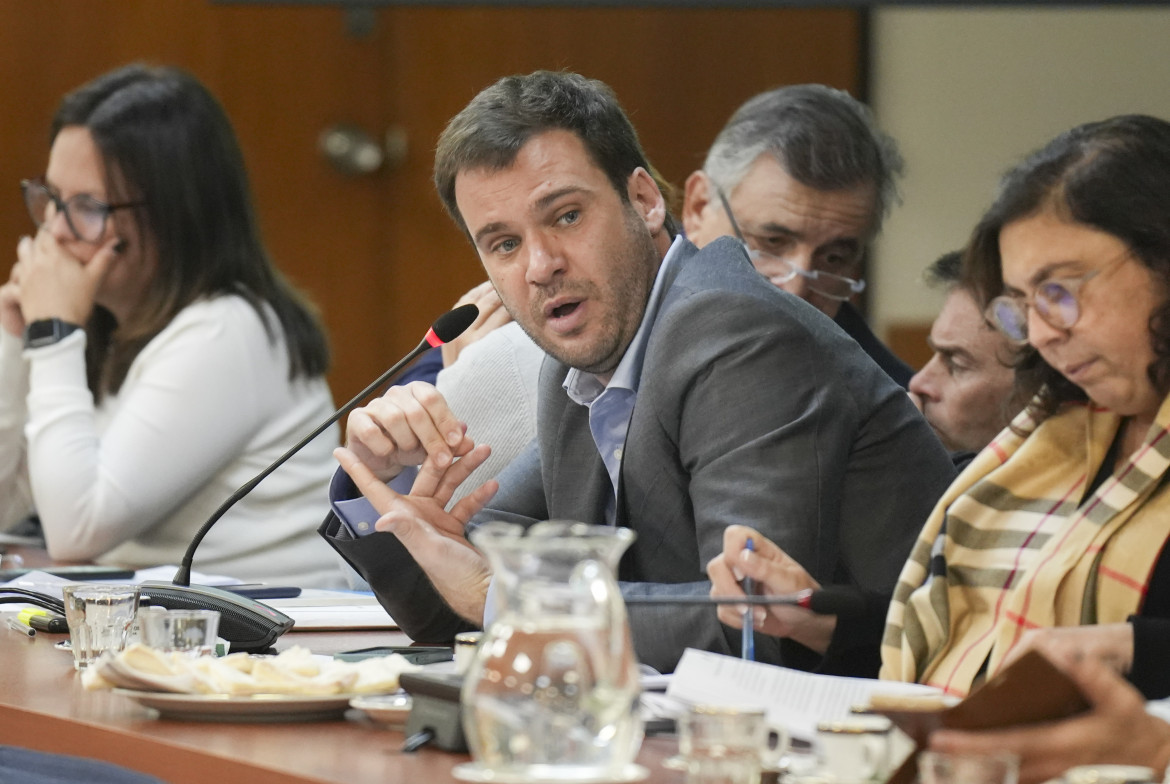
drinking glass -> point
(466, 644)
(188, 631)
(99, 618)
(940, 768)
(722, 744)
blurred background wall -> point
(376, 250)
(965, 90)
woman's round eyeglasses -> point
(1056, 301)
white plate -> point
(255, 707)
(475, 772)
(386, 708)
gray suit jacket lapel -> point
(575, 481)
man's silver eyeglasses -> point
(1056, 301)
(837, 287)
(85, 215)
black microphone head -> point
(837, 600)
(455, 322)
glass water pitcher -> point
(553, 690)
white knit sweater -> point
(492, 388)
(206, 405)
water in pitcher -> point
(551, 696)
(553, 690)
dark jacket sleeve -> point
(854, 325)
(1151, 635)
(398, 582)
(1151, 651)
(855, 648)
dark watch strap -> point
(46, 332)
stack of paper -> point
(317, 609)
(793, 699)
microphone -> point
(839, 600)
(248, 624)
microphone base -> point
(435, 709)
(249, 625)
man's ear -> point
(697, 197)
(647, 200)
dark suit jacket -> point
(752, 408)
(855, 327)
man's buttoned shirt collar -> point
(611, 405)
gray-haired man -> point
(804, 176)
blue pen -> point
(748, 641)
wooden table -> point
(43, 707)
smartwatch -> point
(46, 332)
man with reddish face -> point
(568, 255)
(967, 390)
(750, 405)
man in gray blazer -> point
(683, 393)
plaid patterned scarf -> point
(1014, 545)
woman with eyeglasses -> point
(152, 359)
(1063, 519)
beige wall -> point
(967, 92)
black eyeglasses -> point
(780, 270)
(85, 215)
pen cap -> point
(53, 624)
(28, 612)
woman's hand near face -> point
(11, 315)
(56, 284)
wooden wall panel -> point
(908, 341)
(285, 75)
(377, 252)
